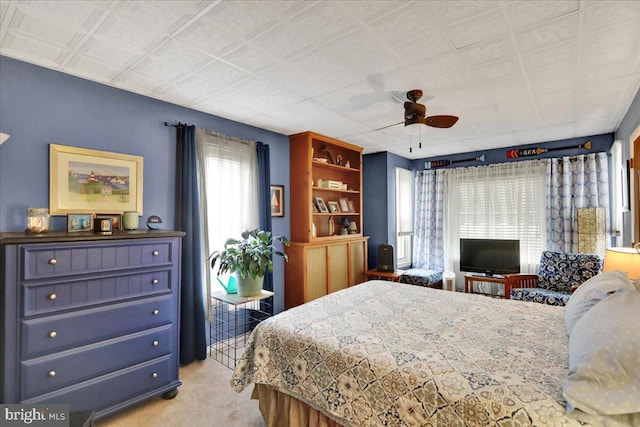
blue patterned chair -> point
(560, 273)
(422, 277)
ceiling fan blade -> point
(385, 127)
(443, 121)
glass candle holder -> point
(37, 220)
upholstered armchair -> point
(560, 273)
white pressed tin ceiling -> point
(515, 72)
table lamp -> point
(623, 259)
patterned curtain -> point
(573, 182)
(428, 240)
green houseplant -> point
(249, 259)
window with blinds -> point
(502, 204)
(404, 216)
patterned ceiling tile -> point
(124, 30)
(466, 98)
(32, 50)
(560, 131)
(208, 37)
(554, 109)
(449, 63)
(454, 11)
(530, 136)
(477, 29)
(608, 14)
(427, 45)
(554, 78)
(285, 41)
(355, 46)
(623, 33)
(92, 69)
(317, 61)
(171, 60)
(612, 63)
(550, 32)
(222, 73)
(242, 21)
(401, 25)
(44, 29)
(162, 15)
(594, 127)
(505, 89)
(552, 54)
(138, 83)
(251, 58)
(525, 13)
(196, 83)
(255, 87)
(509, 68)
(103, 49)
(490, 51)
(325, 21)
(64, 14)
(372, 10)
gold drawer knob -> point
(53, 296)
(155, 253)
(51, 374)
(155, 312)
(155, 281)
(52, 334)
(154, 375)
(155, 343)
(53, 261)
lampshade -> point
(623, 259)
(3, 137)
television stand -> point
(470, 280)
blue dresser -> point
(88, 320)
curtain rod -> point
(172, 125)
(214, 133)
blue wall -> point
(39, 106)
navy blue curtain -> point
(264, 179)
(193, 339)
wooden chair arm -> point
(518, 281)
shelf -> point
(335, 190)
(335, 213)
(334, 167)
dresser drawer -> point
(39, 299)
(50, 334)
(51, 260)
(50, 373)
(120, 386)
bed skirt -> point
(282, 410)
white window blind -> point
(504, 201)
(618, 179)
(404, 216)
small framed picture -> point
(320, 205)
(344, 204)
(352, 206)
(277, 200)
(313, 208)
(116, 220)
(79, 222)
(333, 206)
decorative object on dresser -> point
(89, 320)
(323, 258)
(83, 180)
(116, 220)
(130, 220)
(249, 259)
(153, 222)
(79, 222)
(103, 226)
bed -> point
(384, 353)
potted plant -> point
(249, 259)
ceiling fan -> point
(415, 114)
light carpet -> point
(205, 399)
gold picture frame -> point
(83, 180)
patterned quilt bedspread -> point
(392, 354)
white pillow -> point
(591, 292)
(604, 358)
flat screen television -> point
(490, 256)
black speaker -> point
(385, 260)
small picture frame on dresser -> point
(79, 222)
(116, 220)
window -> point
(504, 201)
(228, 169)
(618, 181)
(404, 216)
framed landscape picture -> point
(83, 180)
